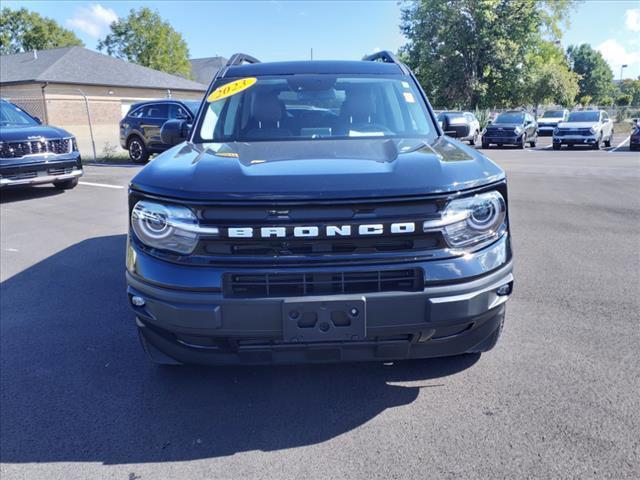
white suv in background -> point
(584, 127)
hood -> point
(315, 169)
(21, 133)
(578, 125)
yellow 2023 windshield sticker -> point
(231, 88)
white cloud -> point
(632, 19)
(617, 55)
(93, 20)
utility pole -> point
(622, 67)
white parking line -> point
(103, 185)
(623, 142)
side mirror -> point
(451, 133)
(489, 122)
(174, 131)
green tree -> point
(624, 100)
(144, 38)
(631, 87)
(23, 31)
(475, 52)
(551, 80)
(596, 76)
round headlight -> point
(473, 220)
(166, 227)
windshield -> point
(553, 114)
(510, 117)
(192, 105)
(12, 115)
(584, 117)
(295, 107)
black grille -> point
(304, 284)
(585, 132)
(427, 241)
(20, 149)
(494, 132)
(289, 216)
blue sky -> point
(285, 30)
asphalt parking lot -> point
(557, 398)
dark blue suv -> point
(140, 128)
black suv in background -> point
(32, 153)
(511, 128)
(316, 212)
(140, 128)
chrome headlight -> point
(592, 130)
(518, 130)
(471, 221)
(167, 227)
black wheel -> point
(474, 140)
(138, 152)
(533, 142)
(499, 145)
(557, 146)
(598, 144)
(66, 184)
(485, 145)
(490, 341)
(522, 143)
(607, 142)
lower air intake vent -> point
(303, 284)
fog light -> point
(137, 301)
(504, 289)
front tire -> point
(557, 146)
(522, 144)
(474, 140)
(598, 144)
(138, 152)
(66, 184)
(533, 142)
(607, 142)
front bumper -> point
(502, 139)
(575, 140)
(197, 324)
(39, 171)
(546, 130)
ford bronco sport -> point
(315, 212)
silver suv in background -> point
(549, 120)
(584, 127)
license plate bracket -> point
(322, 319)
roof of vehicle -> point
(164, 100)
(313, 66)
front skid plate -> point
(324, 320)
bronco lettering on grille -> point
(314, 231)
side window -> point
(157, 110)
(176, 111)
(137, 113)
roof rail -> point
(385, 56)
(240, 58)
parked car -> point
(140, 128)
(461, 125)
(32, 153)
(584, 127)
(511, 128)
(634, 140)
(549, 120)
(316, 212)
